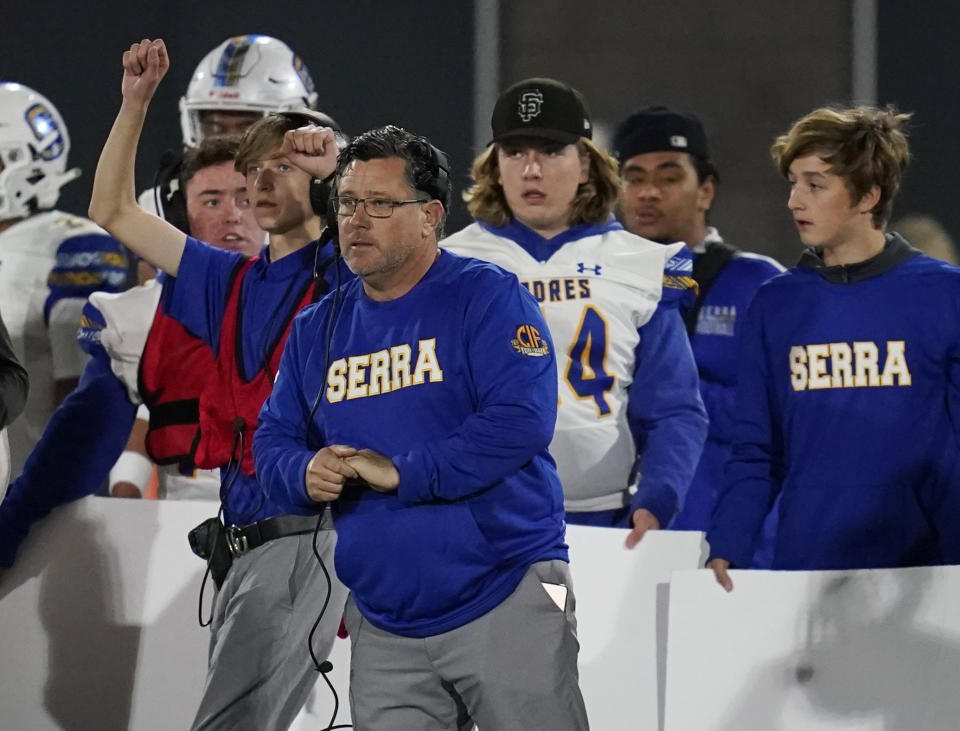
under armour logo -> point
(582, 268)
(529, 105)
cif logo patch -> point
(529, 105)
(44, 126)
(529, 342)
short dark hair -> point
(423, 171)
(211, 151)
(705, 168)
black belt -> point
(243, 538)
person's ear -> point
(870, 200)
(705, 194)
(432, 215)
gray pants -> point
(513, 669)
(260, 671)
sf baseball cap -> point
(659, 129)
(544, 108)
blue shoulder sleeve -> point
(92, 324)
(85, 264)
(679, 286)
(197, 296)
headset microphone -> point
(325, 667)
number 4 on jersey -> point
(588, 354)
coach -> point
(431, 380)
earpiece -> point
(332, 229)
(320, 190)
(435, 179)
(168, 191)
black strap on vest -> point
(706, 267)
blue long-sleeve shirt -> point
(454, 381)
(848, 407)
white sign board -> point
(811, 651)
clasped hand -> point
(331, 467)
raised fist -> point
(144, 65)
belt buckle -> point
(236, 541)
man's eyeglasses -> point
(346, 205)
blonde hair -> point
(863, 145)
(593, 202)
(263, 136)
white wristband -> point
(134, 468)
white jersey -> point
(49, 263)
(595, 293)
(128, 317)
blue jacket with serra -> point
(456, 382)
(848, 407)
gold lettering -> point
(400, 366)
(841, 364)
(798, 367)
(817, 359)
(896, 364)
(336, 380)
(357, 379)
(866, 356)
(427, 362)
(379, 372)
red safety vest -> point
(230, 404)
(174, 370)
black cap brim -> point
(553, 135)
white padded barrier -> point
(98, 622)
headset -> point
(319, 189)
(168, 195)
(434, 180)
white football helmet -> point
(33, 149)
(251, 73)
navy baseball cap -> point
(659, 129)
(544, 108)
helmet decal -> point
(304, 73)
(230, 64)
(42, 123)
